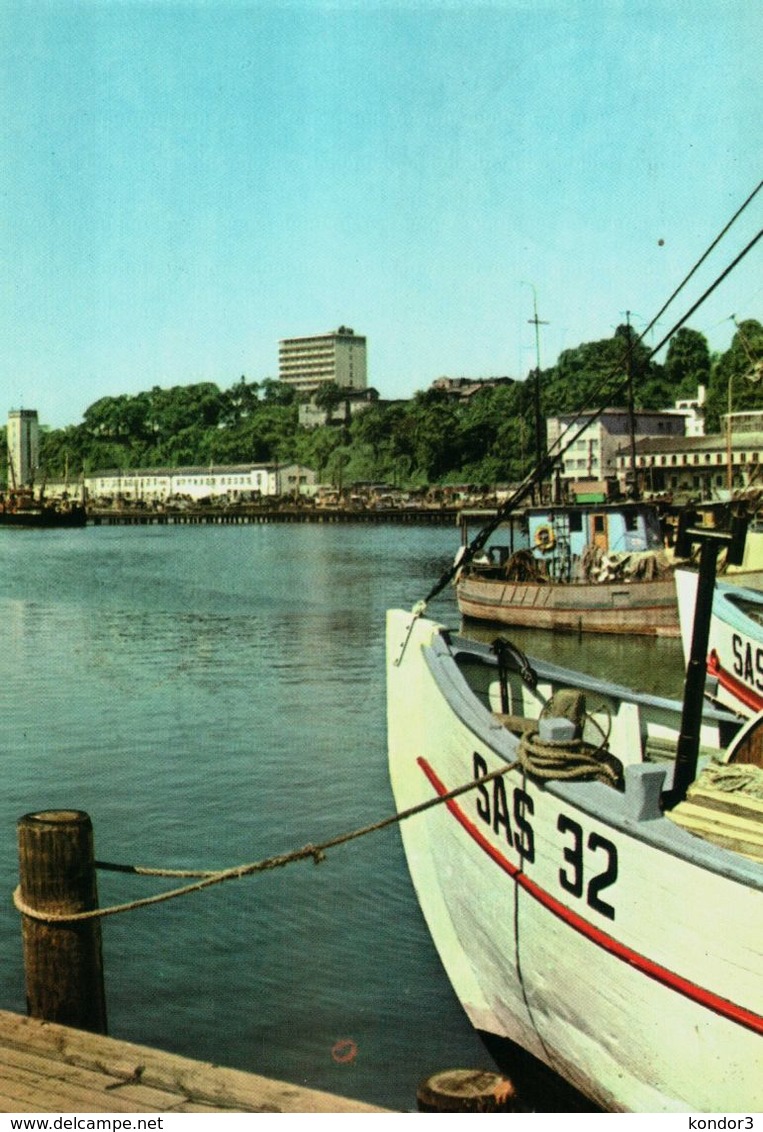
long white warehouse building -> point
(217, 481)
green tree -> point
(277, 392)
(435, 434)
(687, 364)
(328, 396)
(382, 431)
(62, 451)
(239, 402)
(736, 376)
(119, 418)
(595, 373)
(315, 448)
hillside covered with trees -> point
(433, 438)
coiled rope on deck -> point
(208, 878)
(569, 758)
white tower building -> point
(23, 447)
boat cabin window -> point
(631, 521)
(575, 521)
(598, 524)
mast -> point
(729, 455)
(537, 322)
(631, 409)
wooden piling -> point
(62, 960)
(466, 1090)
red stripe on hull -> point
(739, 1014)
(733, 685)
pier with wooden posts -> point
(59, 1059)
(245, 515)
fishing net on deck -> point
(523, 566)
(725, 805)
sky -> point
(183, 184)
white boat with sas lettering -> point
(735, 644)
(590, 869)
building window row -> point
(693, 458)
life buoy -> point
(545, 538)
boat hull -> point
(572, 919)
(45, 518)
(642, 608)
(735, 644)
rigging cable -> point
(703, 257)
(547, 463)
(596, 394)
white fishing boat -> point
(735, 643)
(595, 892)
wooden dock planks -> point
(45, 1067)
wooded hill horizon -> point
(432, 438)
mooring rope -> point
(207, 878)
(568, 760)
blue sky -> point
(183, 184)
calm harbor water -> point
(212, 696)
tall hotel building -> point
(307, 363)
(23, 447)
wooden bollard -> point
(466, 1090)
(63, 962)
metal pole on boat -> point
(711, 541)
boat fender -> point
(545, 538)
